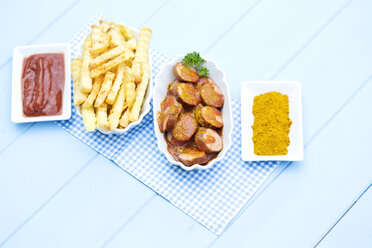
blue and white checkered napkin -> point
(212, 197)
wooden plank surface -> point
(83, 200)
(28, 178)
(354, 229)
(100, 197)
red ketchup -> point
(43, 82)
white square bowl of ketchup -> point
(47, 110)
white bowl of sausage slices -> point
(192, 114)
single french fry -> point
(129, 36)
(104, 57)
(105, 88)
(117, 108)
(117, 38)
(104, 26)
(100, 40)
(85, 84)
(93, 94)
(112, 63)
(110, 99)
(89, 118)
(76, 68)
(102, 122)
(126, 32)
(130, 87)
(79, 97)
(124, 120)
(131, 44)
(141, 55)
(140, 93)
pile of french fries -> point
(111, 78)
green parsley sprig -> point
(204, 72)
(195, 60)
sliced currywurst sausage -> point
(185, 74)
(166, 121)
(192, 156)
(208, 140)
(173, 140)
(170, 109)
(211, 95)
(209, 117)
(202, 81)
(172, 87)
(186, 93)
(185, 127)
(171, 105)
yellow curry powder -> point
(271, 124)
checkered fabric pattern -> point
(212, 197)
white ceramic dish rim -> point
(16, 102)
(160, 136)
(145, 109)
(250, 156)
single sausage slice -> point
(190, 156)
(208, 140)
(183, 73)
(197, 111)
(202, 81)
(172, 87)
(171, 105)
(173, 140)
(186, 93)
(166, 121)
(212, 95)
(185, 127)
(170, 109)
(209, 116)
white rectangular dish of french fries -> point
(112, 78)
